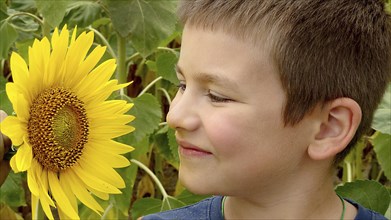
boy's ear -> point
(342, 118)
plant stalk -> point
(152, 175)
(122, 74)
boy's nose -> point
(183, 113)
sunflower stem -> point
(122, 74)
(149, 86)
(152, 175)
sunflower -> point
(64, 124)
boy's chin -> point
(196, 186)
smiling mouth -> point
(187, 149)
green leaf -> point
(23, 5)
(164, 147)
(3, 10)
(53, 11)
(165, 64)
(7, 213)
(382, 147)
(8, 37)
(189, 198)
(382, 117)
(145, 206)
(148, 22)
(148, 114)
(368, 193)
(5, 103)
(171, 203)
(82, 13)
(12, 192)
(173, 146)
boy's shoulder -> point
(364, 213)
(210, 208)
(206, 209)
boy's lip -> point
(191, 148)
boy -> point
(273, 94)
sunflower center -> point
(57, 128)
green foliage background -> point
(144, 37)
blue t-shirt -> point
(210, 209)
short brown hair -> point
(322, 49)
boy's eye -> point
(181, 86)
(215, 98)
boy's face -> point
(228, 117)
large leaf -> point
(3, 10)
(173, 146)
(53, 11)
(145, 206)
(382, 117)
(382, 146)
(165, 64)
(23, 5)
(164, 139)
(82, 13)
(171, 203)
(8, 37)
(12, 192)
(368, 193)
(148, 114)
(148, 22)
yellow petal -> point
(32, 181)
(42, 176)
(24, 155)
(42, 50)
(34, 206)
(60, 197)
(13, 165)
(23, 108)
(14, 129)
(110, 146)
(73, 35)
(104, 92)
(91, 152)
(19, 102)
(76, 54)
(39, 55)
(98, 77)
(103, 171)
(68, 191)
(81, 192)
(56, 61)
(110, 132)
(99, 194)
(92, 59)
(93, 181)
(111, 107)
(44, 197)
(110, 121)
(19, 70)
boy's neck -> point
(313, 199)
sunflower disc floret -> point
(64, 124)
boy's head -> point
(322, 50)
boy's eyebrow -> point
(217, 79)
